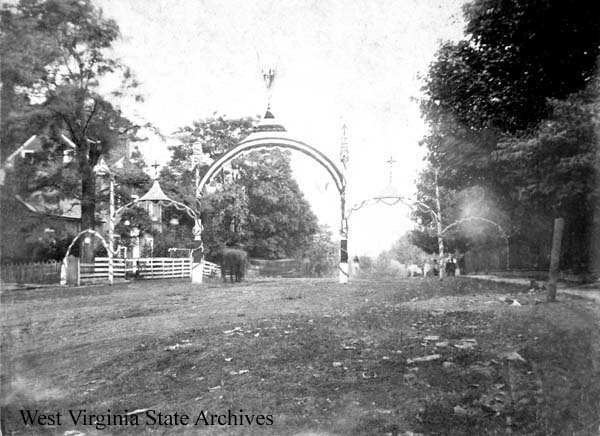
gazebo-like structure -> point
(154, 195)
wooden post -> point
(73, 271)
(559, 225)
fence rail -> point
(210, 269)
(147, 268)
(39, 272)
(164, 267)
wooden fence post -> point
(73, 271)
(559, 226)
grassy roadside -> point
(371, 358)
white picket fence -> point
(146, 268)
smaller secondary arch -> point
(63, 267)
(268, 142)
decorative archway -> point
(487, 221)
(269, 134)
(63, 267)
(154, 195)
(256, 143)
(390, 197)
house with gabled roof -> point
(44, 216)
(24, 224)
(35, 144)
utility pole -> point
(111, 227)
(559, 226)
(344, 270)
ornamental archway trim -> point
(248, 145)
(487, 221)
(157, 196)
(63, 267)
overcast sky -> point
(338, 61)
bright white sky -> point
(337, 61)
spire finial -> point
(269, 77)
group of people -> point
(450, 264)
(451, 267)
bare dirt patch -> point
(369, 358)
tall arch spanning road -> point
(269, 134)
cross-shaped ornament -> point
(391, 162)
(155, 166)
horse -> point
(233, 262)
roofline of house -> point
(48, 214)
(9, 159)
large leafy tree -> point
(553, 167)
(506, 112)
(280, 222)
(212, 136)
(56, 82)
(517, 54)
(220, 209)
(553, 171)
(25, 50)
(254, 202)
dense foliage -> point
(512, 110)
(320, 259)
(55, 57)
(254, 202)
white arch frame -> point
(63, 266)
(248, 145)
(487, 221)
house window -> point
(67, 156)
(27, 155)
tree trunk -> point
(559, 225)
(7, 93)
(88, 210)
(439, 227)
